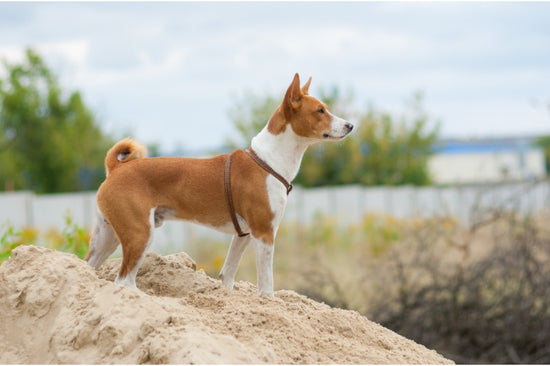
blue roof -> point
(485, 146)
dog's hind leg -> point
(134, 245)
(234, 255)
(102, 243)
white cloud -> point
(75, 52)
(146, 68)
(11, 53)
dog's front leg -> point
(234, 255)
(264, 267)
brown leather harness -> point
(227, 185)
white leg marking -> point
(103, 243)
(264, 267)
(234, 255)
(130, 279)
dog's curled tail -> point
(122, 152)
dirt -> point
(56, 309)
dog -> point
(242, 193)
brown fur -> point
(195, 193)
(128, 147)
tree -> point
(396, 153)
(48, 142)
(544, 143)
(380, 152)
(249, 116)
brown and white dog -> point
(139, 193)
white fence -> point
(347, 204)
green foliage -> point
(395, 153)
(48, 142)
(381, 151)
(544, 142)
(9, 240)
(72, 239)
(249, 116)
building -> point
(486, 160)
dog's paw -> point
(266, 294)
(229, 283)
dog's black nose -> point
(349, 126)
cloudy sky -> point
(170, 72)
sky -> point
(169, 73)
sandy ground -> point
(56, 309)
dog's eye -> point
(321, 110)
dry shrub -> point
(481, 305)
(477, 294)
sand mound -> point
(56, 309)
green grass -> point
(71, 239)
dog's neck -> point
(283, 152)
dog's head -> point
(307, 116)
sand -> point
(56, 309)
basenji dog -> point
(242, 193)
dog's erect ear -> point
(305, 88)
(293, 96)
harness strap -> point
(270, 170)
(229, 196)
(227, 186)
